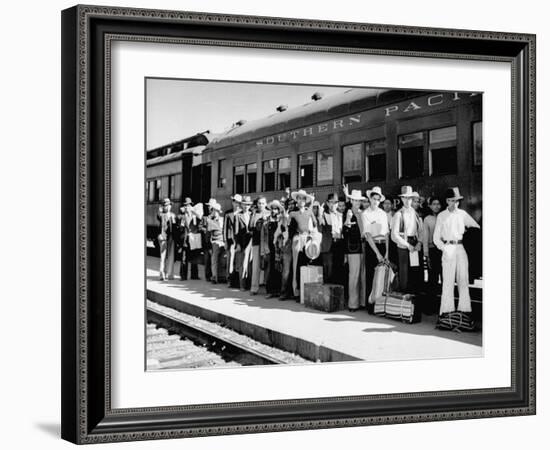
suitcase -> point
(456, 321)
(384, 275)
(399, 306)
(309, 274)
(324, 297)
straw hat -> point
(312, 248)
(216, 207)
(187, 201)
(376, 190)
(275, 204)
(453, 193)
(301, 193)
(237, 198)
(407, 191)
(211, 202)
(166, 202)
(356, 195)
(246, 200)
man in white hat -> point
(449, 229)
(229, 239)
(407, 232)
(259, 217)
(242, 240)
(215, 229)
(353, 247)
(302, 220)
(376, 231)
(165, 238)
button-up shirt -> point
(429, 227)
(450, 226)
(375, 222)
(335, 220)
(411, 225)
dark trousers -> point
(272, 275)
(208, 263)
(371, 261)
(410, 278)
(188, 256)
(433, 287)
(286, 276)
(333, 263)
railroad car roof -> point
(348, 102)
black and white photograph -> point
(301, 224)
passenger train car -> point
(363, 137)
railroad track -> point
(179, 340)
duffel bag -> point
(399, 306)
(456, 321)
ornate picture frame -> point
(87, 35)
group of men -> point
(264, 242)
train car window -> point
(158, 186)
(175, 187)
(442, 155)
(238, 180)
(284, 173)
(251, 170)
(270, 173)
(411, 155)
(151, 190)
(306, 170)
(221, 178)
(325, 164)
(352, 161)
(477, 144)
(375, 162)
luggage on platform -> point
(324, 297)
(456, 321)
(309, 274)
(399, 306)
(384, 275)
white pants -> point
(167, 251)
(357, 280)
(255, 282)
(454, 262)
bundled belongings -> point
(384, 276)
(396, 305)
(324, 297)
(456, 321)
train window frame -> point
(235, 174)
(220, 179)
(330, 154)
(274, 171)
(361, 169)
(375, 152)
(247, 181)
(442, 146)
(314, 171)
(400, 149)
(476, 166)
(285, 171)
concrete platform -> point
(315, 335)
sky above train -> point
(179, 108)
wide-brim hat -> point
(312, 249)
(376, 190)
(246, 200)
(237, 198)
(301, 193)
(187, 201)
(216, 207)
(275, 204)
(356, 195)
(453, 193)
(407, 191)
(166, 202)
(211, 202)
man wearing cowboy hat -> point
(215, 228)
(449, 229)
(376, 232)
(353, 247)
(229, 239)
(165, 238)
(242, 240)
(207, 244)
(255, 226)
(302, 221)
(269, 253)
(189, 224)
(406, 232)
